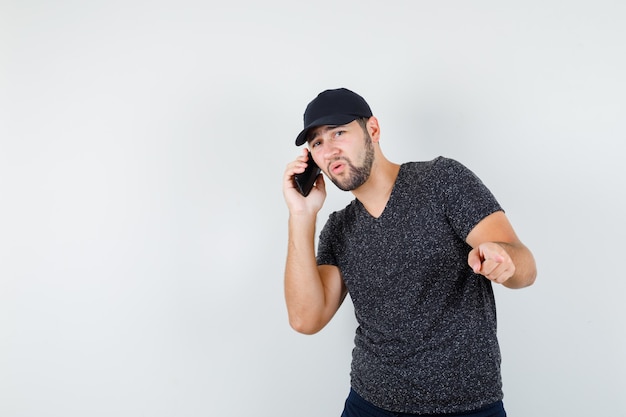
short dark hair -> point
(362, 121)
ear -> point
(373, 128)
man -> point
(418, 251)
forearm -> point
(304, 290)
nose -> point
(330, 149)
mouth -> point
(337, 167)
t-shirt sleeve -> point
(466, 199)
(325, 253)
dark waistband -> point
(491, 410)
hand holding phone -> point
(304, 181)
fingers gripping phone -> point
(304, 182)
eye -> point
(315, 143)
(339, 133)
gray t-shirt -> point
(426, 340)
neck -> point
(375, 192)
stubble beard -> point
(357, 175)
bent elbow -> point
(531, 276)
(304, 326)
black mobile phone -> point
(304, 182)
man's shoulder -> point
(439, 161)
(348, 211)
(441, 165)
(422, 168)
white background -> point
(142, 224)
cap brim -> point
(334, 120)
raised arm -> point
(313, 294)
(498, 254)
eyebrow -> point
(320, 131)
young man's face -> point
(345, 153)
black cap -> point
(333, 107)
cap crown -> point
(333, 107)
